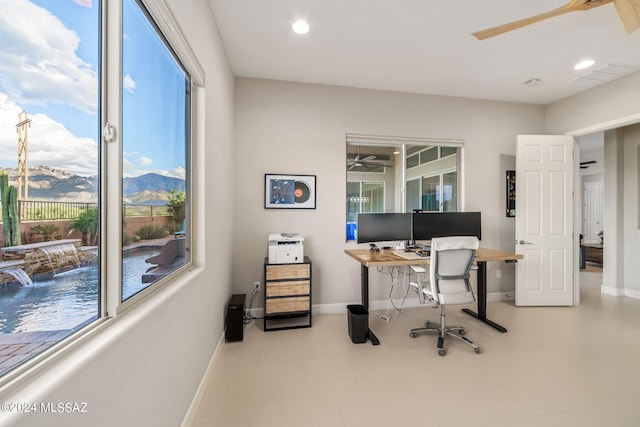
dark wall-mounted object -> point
(511, 193)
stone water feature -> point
(13, 269)
(23, 262)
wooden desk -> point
(367, 259)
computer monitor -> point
(380, 227)
(428, 225)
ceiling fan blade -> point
(367, 159)
(572, 6)
(629, 14)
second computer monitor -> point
(428, 225)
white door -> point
(592, 212)
(544, 220)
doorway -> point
(590, 214)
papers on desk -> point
(409, 255)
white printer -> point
(286, 248)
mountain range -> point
(51, 184)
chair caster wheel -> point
(477, 350)
(441, 352)
(462, 332)
(412, 334)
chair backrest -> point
(451, 260)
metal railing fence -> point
(35, 210)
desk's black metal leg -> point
(482, 299)
(364, 276)
(364, 282)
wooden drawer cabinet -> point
(592, 253)
(287, 295)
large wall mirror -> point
(400, 175)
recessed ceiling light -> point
(584, 64)
(300, 26)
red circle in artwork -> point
(298, 192)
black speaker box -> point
(234, 324)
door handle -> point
(522, 242)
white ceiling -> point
(424, 46)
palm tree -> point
(87, 224)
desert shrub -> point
(151, 231)
(48, 232)
(128, 239)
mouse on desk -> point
(373, 247)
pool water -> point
(67, 300)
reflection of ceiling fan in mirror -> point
(366, 161)
(628, 12)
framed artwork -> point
(289, 191)
(511, 193)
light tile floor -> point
(557, 366)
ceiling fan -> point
(628, 12)
(584, 165)
(367, 162)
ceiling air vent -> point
(603, 74)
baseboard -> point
(190, 416)
(609, 290)
(631, 293)
(620, 292)
(340, 308)
(501, 296)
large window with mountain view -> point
(57, 167)
(155, 135)
(49, 173)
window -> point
(63, 280)
(155, 143)
(414, 175)
(439, 193)
(51, 96)
(362, 197)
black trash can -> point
(358, 319)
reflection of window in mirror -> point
(396, 175)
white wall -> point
(296, 128)
(631, 220)
(601, 105)
(144, 367)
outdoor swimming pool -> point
(66, 300)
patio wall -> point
(66, 232)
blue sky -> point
(49, 66)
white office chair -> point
(451, 260)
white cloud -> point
(38, 61)
(145, 161)
(179, 172)
(128, 83)
(129, 168)
(132, 169)
(50, 143)
(85, 3)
